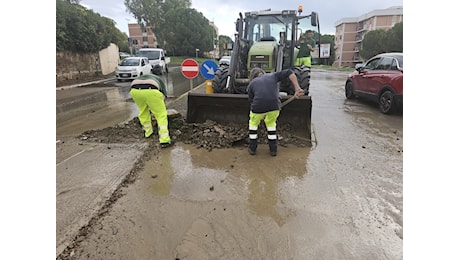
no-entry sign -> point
(190, 68)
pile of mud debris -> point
(208, 135)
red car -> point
(379, 79)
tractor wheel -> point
(220, 79)
(303, 77)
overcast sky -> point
(225, 12)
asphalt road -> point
(340, 199)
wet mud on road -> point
(338, 199)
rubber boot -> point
(273, 145)
(252, 146)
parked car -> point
(132, 68)
(379, 79)
(224, 60)
(124, 55)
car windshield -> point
(151, 55)
(400, 61)
(372, 64)
(130, 62)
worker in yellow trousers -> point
(149, 93)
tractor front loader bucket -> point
(234, 108)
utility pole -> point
(129, 39)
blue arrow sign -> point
(208, 68)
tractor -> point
(268, 40)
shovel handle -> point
(289, 100)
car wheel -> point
(349, 90)
(386, 102)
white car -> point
(225, 60)
(124, 55)
(132, 68)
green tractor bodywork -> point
(265, 39)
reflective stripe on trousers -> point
(269, 120)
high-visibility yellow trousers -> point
(306, 61)
(152, 100)
(270, 119)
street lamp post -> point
(129, 40)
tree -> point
(395, 38)
(188, 30)
(81, 30)
(381, 41)
(178, 28)
(154, 13)
(373, 44)
(223, 45)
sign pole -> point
(191, 84)
(209, 89)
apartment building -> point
(141, 37)
(349, 33)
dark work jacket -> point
(263, 91)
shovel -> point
(289, 100)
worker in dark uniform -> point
(263, 93)
(149, 93)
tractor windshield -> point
(263, 28)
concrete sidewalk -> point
(85, 181)
(87, 174)
(82, 84)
